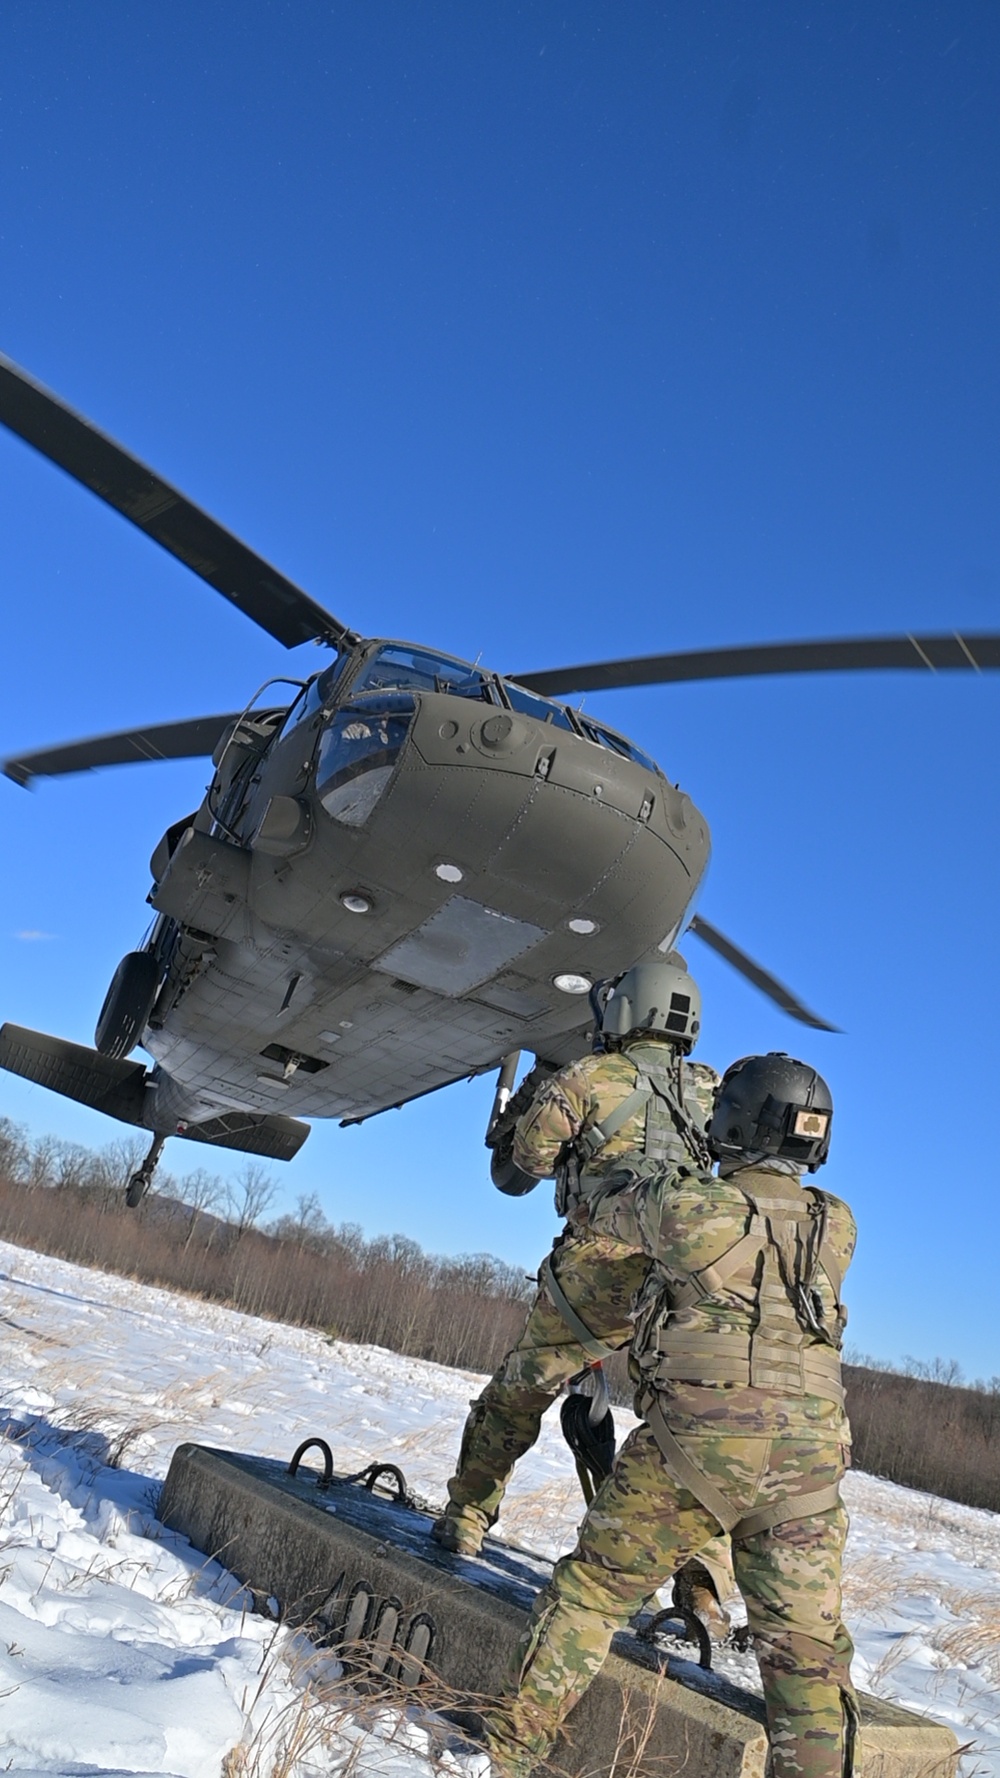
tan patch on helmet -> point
(810, 1123)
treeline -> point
(203, 1235)
(921, 1427)
(917, 1425)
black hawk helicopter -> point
(405, 869)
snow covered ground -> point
(123, 1652)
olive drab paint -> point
(411, 861)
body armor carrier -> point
(672, 1135)
(793, 1328)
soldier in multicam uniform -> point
(736, 1359)
(638, 1100)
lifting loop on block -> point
(695, 1631)
(370, 1478)
(319, 1444)
(410, 1667)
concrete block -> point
(363, 1570)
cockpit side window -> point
(606, 737)
(396, 668)
(530, 704)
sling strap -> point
(593, 1347)
(739, 1526)
(591, 1141)
(710, 1280)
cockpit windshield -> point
(396, 668)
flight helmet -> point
(772, 1105)
(659, 998)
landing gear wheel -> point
(127, 1004)
(141, 1181)
(136, 1189)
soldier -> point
(736, 1360)
(636, 1101)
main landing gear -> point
(140, 1181)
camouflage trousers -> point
(640, 1526)
(600, 1277)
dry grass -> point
(897, 1652)
(345, 1712)
(328, 1720)
(973, 1639)
(874, 1585)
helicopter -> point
(406, 868)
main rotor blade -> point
(761, 978)
(164, 740)
(842, 655)
(173, 521)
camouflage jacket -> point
(740, 1321)
(588, 1091)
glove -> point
(503, 1129)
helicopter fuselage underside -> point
(334, 967)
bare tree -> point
(306, 1227)
(42, 1161)
(112, 1168)
(202, 1192)
(937, 1370)
(14, 1151)
(74, 1166)
(249, 1195)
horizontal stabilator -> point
(119, 1089)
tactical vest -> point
(672, 1134)
(790, 1343)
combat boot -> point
(460, 1530)
(474, 1743)
(694, 1592)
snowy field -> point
(123, 1652)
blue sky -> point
(546, 333)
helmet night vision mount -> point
(658, 998)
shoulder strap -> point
(711, 1279)
(590, 1142)
(827, 1257)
